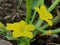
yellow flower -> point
(21, 29)
(44, 14)
(49, 32)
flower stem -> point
(38, 24)
(34, 14)
(28, 10)
(53, 5)
(41, 29)
(23, 41)
(56, 31)
(42, 2)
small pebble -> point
(4, 42)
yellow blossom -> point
(49, 32)
(21, 29)
(44, 14)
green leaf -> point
(34, 3)
(28, 11)
(9, 36)
(23, 41)
(2, 29)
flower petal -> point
(17, 34)
(49, 22)
(41, 16)
(12, 26)
(43, 9)
(29, 27)
(49, 15)
(16, 26)
(43, 13)
(9, 26)
(22, 24)
(37, 9)
(28, 34)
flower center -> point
(22, 30)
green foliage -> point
(34, 3)
(24, 41)
(2, 29)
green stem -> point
(28, 10)
(41, 29)
(38, 24)
(33, 17)
(53, 5)
(20, 44)
(53, 31)
(23, 41)
(56, 31)
(34, 14)
(42, 2)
